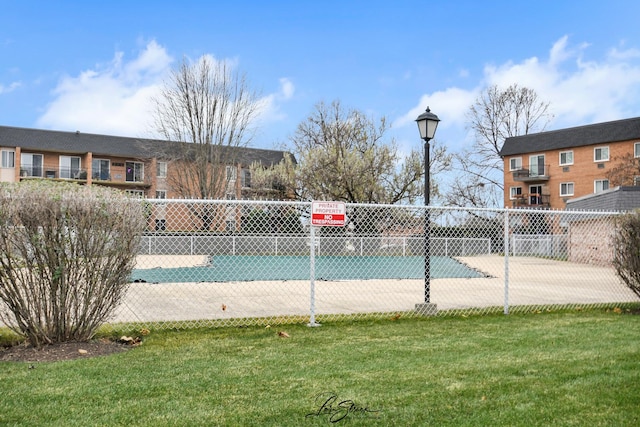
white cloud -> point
(580, 91)
(11, 87)
(287, 88)
(451, 103)
(113, 98)
(269, 105)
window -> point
(100, 169)
(69, 167)
(636, 149)
(515, 192)
(161, 194)
(566, 158)
(601, 154)
(600, 185)
(515, 164)
(161, 170)
(134, 171)
(566, 189)
(246, 178)
(231, 173)
(536, 165)
(636, 180)
(8, 159)
(30, 164)
(535, 194)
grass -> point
(570, 368)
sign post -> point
(323, 214)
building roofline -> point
(578, 136)
(109, 145)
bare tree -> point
(625, 170)
(496, 115)
(344, 155)
(207, 109)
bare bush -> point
(626, 259)
(66, 255)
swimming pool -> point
(230, 268)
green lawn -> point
(573, 368)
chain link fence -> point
(217, 263)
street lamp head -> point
(427, 124)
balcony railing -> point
(532, 201)
(98, 177)
(28, 171)
(536, 174)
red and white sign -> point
(328, 213)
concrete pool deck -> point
(532, 281)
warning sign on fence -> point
(328, 213)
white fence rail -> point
(553, 246)
(240, 262)
(196, 244)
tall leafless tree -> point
(346, 156)
(207, 109)
(496, 115)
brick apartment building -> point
(547, 169)
(131, 164)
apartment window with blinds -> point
(161, 171)
(566, 158)
(515, 164)
(601, 154)
(8, 159)
(515, 192)
(566, 189)
(601, 185)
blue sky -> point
(93, 66)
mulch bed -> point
(62, 351)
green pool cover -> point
(230, 268)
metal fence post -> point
(312, 277)
(506, 261)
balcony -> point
(30, 171)
(538, 174)
(101, 176)
(533, 201)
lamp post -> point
(427, 124)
